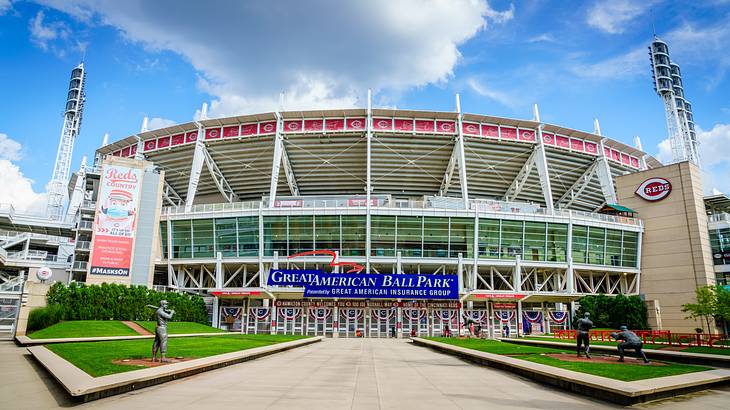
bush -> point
(41, 318)
(119, 302)
(614, 311)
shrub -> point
(41, 318)
(614, 311)
(119, 302)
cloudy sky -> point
(578, 60)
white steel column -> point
(462, 157)
(368, 182)
(195, 170)
(276, 163)
(541, 162)
(604, 169)
(219, 270)
(517, 277)
(569, 274)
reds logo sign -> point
(654, 189)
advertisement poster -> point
(115, 221)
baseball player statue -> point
(582, 336)
(160, 343)
(629, 340)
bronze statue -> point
(160, 343)
(584, 325)
(629, 340)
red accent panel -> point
(230, 131)
(150, 145)
(576, 145)
(382, 124)
(192, 136)
(491, 131)
(249, 129)
(447, 127)
(293, 126)
(267, 127)
(508, 133)
(591, 148)
(634, 162)
(212, 133)
(355, 123)
(527, 135)
(548, 138)
(403, 125)
(425, 126)
(125, 152)
(163, 142)
(313, 125)
(177, 139)
(333, 124)
(133, 150)
(470, 128)
(625, 159)
(562, 142)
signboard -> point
(115, 222)
(498, 296)
(44, 273)
(654, 189)
(321, 284)
(504, 306)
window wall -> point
(601, 246)
(720, 244)
(413, 236)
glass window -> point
(182, 240)
(203, 238)
(630, 249)
(327, 232)
(511, 239)
(163, 239)
(580, 244)
(225, 237)
(613, 248)
(461, 238)
(409, 235)
(557, 242)
(382, 235)
(720, 244)
(301, 234)
(489, 238)
(248, 236)
(435, 237)
(596, 245)
(353, 235)
(535, 241)
(275, 236)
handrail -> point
(435, 203)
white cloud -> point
(713, 156)
(623, 66)
(484, 90)
(4, 6)
(612, 16)
(17, 188)
(41, 34)
(155, 123)
(9, 148)
(542, 38)
(320, 53)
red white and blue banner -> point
(320, 284)
(232, 311)
(504, 316)
(290, 313)
(351, 314)
(259, 313)
(320, 313)
(477, 315)
(445, 315)
(532, 316)
(382, 314)
(558, 317)
(414, 314)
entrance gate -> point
(320, 321)
(415, 321)
(351, 320)
(382, 320)
(441, 318)
(481, 317)
(258, 320)
(289, 321)
(504, 318)
(9, 307)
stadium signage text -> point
(654, 189)
(321, 284)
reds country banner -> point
(115, 221)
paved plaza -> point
(333, 374)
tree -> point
(614, 311)
(706, 306)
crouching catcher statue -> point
(160, 343)
(629, 340)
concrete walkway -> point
(337, 374)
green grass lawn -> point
(693, 349)
(95, 358)
(84, 328)
(176, 328)
(536, 354)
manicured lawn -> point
(708, 350)
(693, 349)
(536, 354)
(84, 328)
(176, 328)
(95, 358)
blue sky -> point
(577, 60)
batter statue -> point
(582, 337)
(629, 340)
(160, 343)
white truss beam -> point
(462, 157)
(542, 164)
(578, 186)
(276, 162)
(605, 177)
(446, 182)
(196, 169)
(220, 180)
(290, 178)
(171, 196)
(519, 182)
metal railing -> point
(87, 204)
(86, 224)
(722, 217)
(80, 265)
(433, 203)
(33, 255)
(86, 245)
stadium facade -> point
(527, 216)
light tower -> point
(678, 111)
(71, 124)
